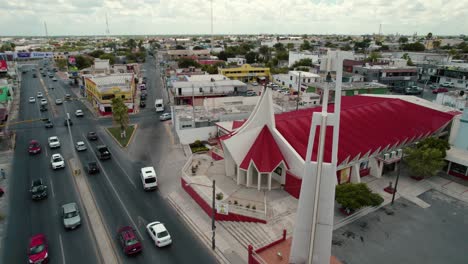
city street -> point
(117, 188)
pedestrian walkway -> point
(6, 159)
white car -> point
(39, 95)
(43, 101)
(79, 113)
(149, 178)
(54, 142)
(57, 161)
(159, 234)
(32, 99)
(80, 146)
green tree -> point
(405, 56)
(353, 196)
(251, 57)
(424, 161)
(416, 46)
(436, 143)
(83, 61)
(120, 114)
(282, 55)
(61, 63)
(108, 56)
(302, 62)
(429, 35)
(346, 47)
(198, 48)
(373, 56)
(403, 40)
(96, 53)
(186, 62)
(305, 45)
(131, 43)
(265, 52)
(179, 47)
(409, 62)
(279, 47)
(290, 46)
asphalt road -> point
(27, 217)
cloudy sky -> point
(87, 17)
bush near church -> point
(353, 196)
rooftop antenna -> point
(107, 27)
(45, 27)
(211, 5)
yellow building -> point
(247, 73)
(100, 90)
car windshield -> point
(71, 214)
(150, 180)
(163, 234)
(57, 159)
(34, 145)
(38, 188)
(37, 249)
(131, 242)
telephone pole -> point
(45, 27)
(107, 27)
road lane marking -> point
(52, 187)
(61, 249)
(116, 193)
(128, 177)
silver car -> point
(71, 215)
(80, 146)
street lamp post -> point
(213, 212)
(397, 178)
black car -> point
(49, 124)
(34, 75)
(143, 96)
(38, 190)
(103, 152)
(92, 135)
(92, 167)
(142, 104)
(69, 122)
(43, 108)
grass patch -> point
(115, 132)
(311, 89)
(198, 146)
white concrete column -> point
(269, 181)
(355, 175)
(449, 166)
(248, 177)
(376, 167)
(259, 180)
(238, 176)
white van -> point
(149, 178)
(159, 105)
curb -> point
(206, 241)
(131, 136)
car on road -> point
(92, 135)
(447, 84)
(79, 113)
(32, 99)
(54, 142)
(48, 124)
(51, 75)
(148, 178)
(142, 104)
(68, 121)
(92, 167)
(51, 87)
(142, 96)
(34, 147)
(433, 86)
(255, 83)
(34, 75)
(165, 116)
(44, 74)
(43, 101)
(102, 152)
(58, 101)
(251, 93)
(67, 96)
(54, 79)
(39, 95)
(412, 91)
(71, 216)
(80, 146)
(57, 161)
(38, 250)
(128, 240)
(43, 108)
(440, 90)
(159, 234)
(38, 190)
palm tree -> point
(120, 114)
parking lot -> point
(406, 233)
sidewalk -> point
(6, 159)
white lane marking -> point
(128, 177)
(52, 187)
(116, 193)
(61, 249)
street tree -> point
(120, 114)
(403, 40)
(424, 162)
(429, 35)
(290, 46)
(186, 62)
(251, 57)
(436, 143)
(305, 45)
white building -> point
(238, 61)
(291, 80)
(329, 61)
(295, 56)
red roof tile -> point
(264, 153)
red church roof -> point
(367, 123)
(264, 153)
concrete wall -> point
(189, 135)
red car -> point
(38, 251)
(439, 90)
(34, 147)
(128, 240)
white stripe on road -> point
(61, 249)
(52, 187)
(128, 177)
(116, 193)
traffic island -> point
(115, 132)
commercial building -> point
(396, 77)
(293, 78)
(192, 54)
(101, 89)
(456, 73)
(237, 61)
(295, 56)
(247, 73)
(457, 155)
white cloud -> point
(240, 16)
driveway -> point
(407, 233)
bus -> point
(159, 105)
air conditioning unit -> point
(386, 156)
(399, 153)
(393, 154)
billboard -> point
(42, 55)
(23, 54)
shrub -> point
(353, 196)
(247, 206)
(219, 196)
(254, 207)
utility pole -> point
(213, 216)
(193, 105)
(211, 5)
(45, 28)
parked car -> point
(34, 147)
(251, 93)
(412, 91)
(165, 116)
(102, 152)
(159, 234)
(128, 240)
(92, 135)
(51, 75)
(54, 142)
(32, 99)
(49, 124)
(57, 161)
(149, 178)
(79, 113)
(67, 96)
(80, 146)
(142, 96)
(71, 216)
(447, 84)
(38, 250)
(92, 167)
(58, 101)
(43, 108)
(439, 90)
(38, 190)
